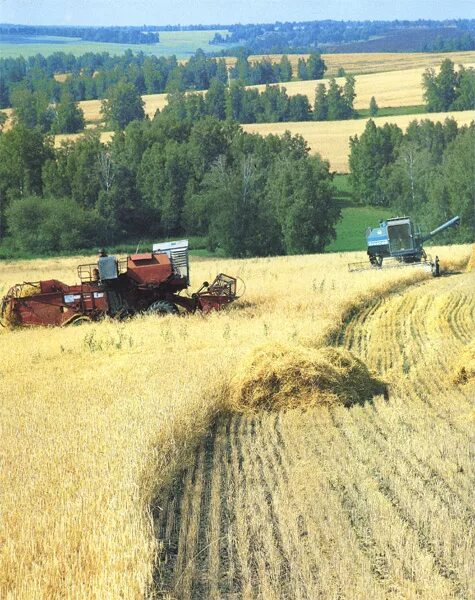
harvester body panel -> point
(401, 237)
(149, 269)
(53, 302)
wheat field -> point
(364, 503)
(390, 88)
(371, 62)
(331, 139)
(100, 423)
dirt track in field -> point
(367, 502)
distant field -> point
(331, 138)
(181, 43)
(390, 88)
(106, 136)
(373, 62)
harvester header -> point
(150, 282)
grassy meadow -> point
(180, 43)
(350, 231)
(101, 422)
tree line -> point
(118, 35)
(449, 89)
(92, 75)
(342, 36)
(426, 172)
(247, 194)
(272, 105)
(235, 102)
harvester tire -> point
(77, 320)
(162, 307)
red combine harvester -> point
(150, 282)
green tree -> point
(69, 117)
(336, 102)
(242, 69)
(299, 108)
(465, 92)
(52, 225)
(447, 83)
(32, 109)
(348, 96)
(440, 90)
(316, 67)
(285, 69)
(320, 111)
(23, 152)
(369, 153)
(452, 189)
(302, 69)
(274, 104)
(222, 71)
(373, 107)
(162, 178)
(216, 99)
(75, 171)
(123, 105)
(241, 219)
(404, 183)
(302, 193)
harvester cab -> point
(399, 243)
(107, 267)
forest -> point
(247, 194)
(118, 35)
(426, 172)
(350, 36)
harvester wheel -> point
(162, 307)
(77, 320)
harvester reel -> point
(162, 307)
(240, 287)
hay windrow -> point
(464, 368)
(276, 377)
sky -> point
(186, 12)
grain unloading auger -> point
(151, 282)
(397, 243)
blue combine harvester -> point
(399, 243)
